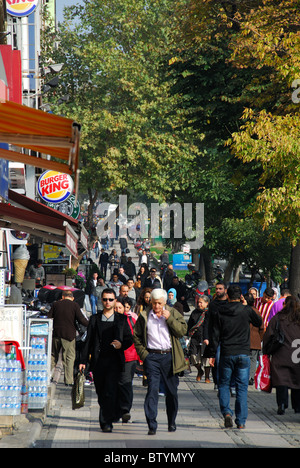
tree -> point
(209, 90)
(258, 45)
(244, 241)
(132, 142)
(270, 132)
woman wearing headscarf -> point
(172, 301)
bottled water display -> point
(37, 374)
(11, 379)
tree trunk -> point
(202, 267)
(195, 258)
(208, 267)
(236, 276)
(89, 224)
(294, 277)
(228, 270)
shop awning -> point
(22, 201)
(42, 133)
(25, 214)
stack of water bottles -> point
(37, 374)
(10, 383)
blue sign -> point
(4, 174)
(181, 261)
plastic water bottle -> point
(10, 384)
(37, 373)
(24, 399)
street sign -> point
(55, 187)
(68, 207)
(21, 8)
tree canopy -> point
(132, 140)
(191, 100)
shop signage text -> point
(55, 187)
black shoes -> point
(106, 428)
(152, 432)
(126, 417)
(171, 428)
(228, 421)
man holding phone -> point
(156, 338)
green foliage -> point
(191, 100)
(132, 139)
(245, 241)
(234, 56)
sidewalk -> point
(199, 423)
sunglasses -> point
(110, 299)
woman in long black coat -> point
(196, 325)
(285, 362)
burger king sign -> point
(21, 7)
(55, 187)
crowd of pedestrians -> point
(138, 326)
(235, 332)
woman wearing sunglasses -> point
(108, 336)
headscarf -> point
(171, 302)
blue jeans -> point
(94, 302)
(238, 367)
(232, 382)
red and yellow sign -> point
(21, 7)
(55, 187)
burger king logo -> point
(21, 7)
(55, 187)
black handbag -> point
(275, 341)
(78, 395)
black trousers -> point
(103, 270)
(157, 367)
(282, 397)
(106, 376)
(125, 389)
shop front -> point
(50, 143)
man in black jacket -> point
(108, 335)
(103, 262)
(231, 329)
(152, 281)
(220, 300)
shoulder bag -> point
(275, 341)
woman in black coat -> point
(285, 362)
(196, 324)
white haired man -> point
(156, 338)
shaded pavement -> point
(199, 422)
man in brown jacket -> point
(64, 314)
